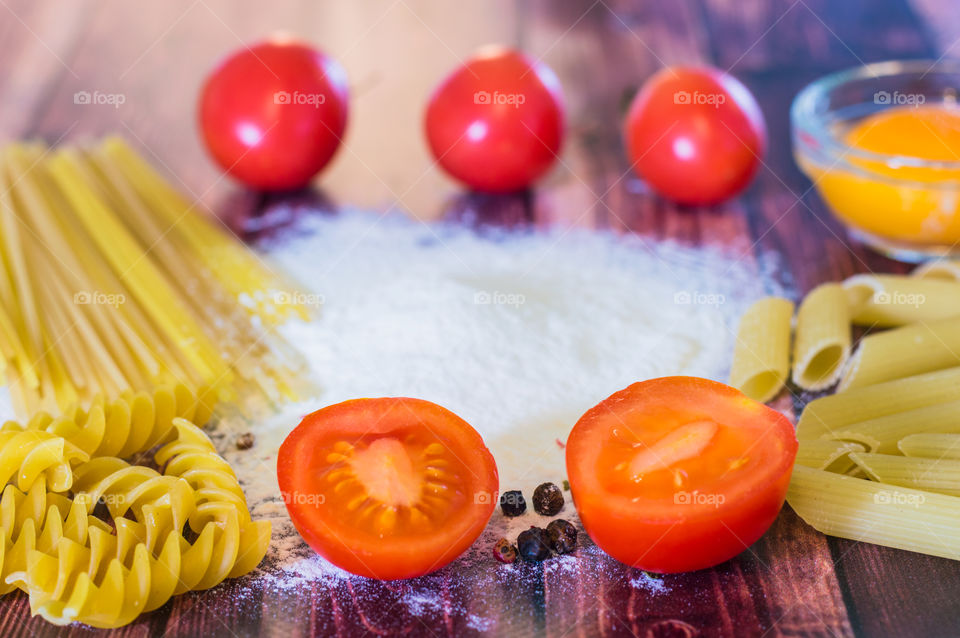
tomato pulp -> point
(679, 473)
(387, 488)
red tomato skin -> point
(386, 559)
(679, 543)
(698, 545)
(695, 152)
(258, 138)
(485, 140)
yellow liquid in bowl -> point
(909, 203)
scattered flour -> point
(518, 333)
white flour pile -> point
(519, 334)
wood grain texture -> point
(794, 581)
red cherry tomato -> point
(387, 488)
(695, 135)
(272, 115)
(496, 123)
(679, 473)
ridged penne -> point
(934, 475)
(827, 455)
(883, 434)
(864, 510)
(761, 357)
(829, 414)
(948, 269)
(903, 352)
(934, 446)
(823, 337)
(896, 300)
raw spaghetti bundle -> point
(111, 281)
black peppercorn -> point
(532, 545)
(562, 536)
(547, 499)
(504, 552)
(512, 503)
(245, 441)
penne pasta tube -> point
(903, 352)
(934, 475)
(883, 433)
(823, 338)
(830, 414)
(931, 445)
(887, 515)
(940, 269)
(761, 357)
(822, 454)
(896, 300)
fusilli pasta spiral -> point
(183, 529)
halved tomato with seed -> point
(387, 488)
(679, 473)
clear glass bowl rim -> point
(808, 116)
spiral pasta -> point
(127, 425)
(184, 529)
(192, 457)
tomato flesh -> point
(679, 473)
(387, 488)
(696, 136)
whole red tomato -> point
(272, 115)
(496, 123)
(695, 135)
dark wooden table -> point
(794, 581)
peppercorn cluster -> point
(536, 544)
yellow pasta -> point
(827, 455)
(934, 446)
(823, 337)
(863, 510)
(192, 457)
(110, 281)
(36, 520)
(940, 269)
(934, 475)
(830, 414)
(131, 423)
(896, 300)
(761, 358)
(882, 434)
(72, 565)
(903, 352)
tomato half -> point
(387, 488)
(272, 115)
(695, 135)
(496, 123)
(679, 473)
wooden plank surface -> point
(794, 581)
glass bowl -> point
(905, 207)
